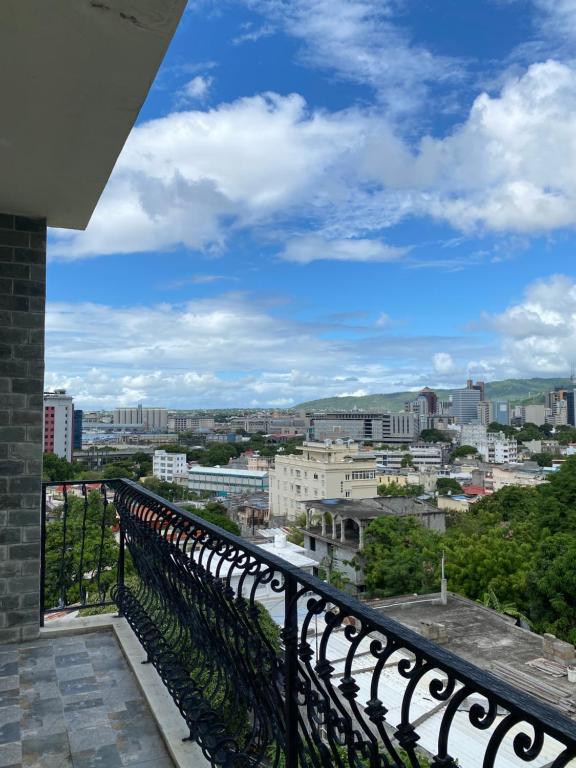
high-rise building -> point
(483, 412)
(151, 419)
(465, 402)
(571, 407)
(58, 423)
(500, 411)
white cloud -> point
(383, 320)
(224, 351)
(443, 363)
(538, 333)
(178, 176)
(196, 89)
(361, 40)
(309, 248)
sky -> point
(331, 197)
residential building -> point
(335, 528)
(58, 430)
(169, 466)
(500, 411)
(493, 447)
(150, 419)
(223, 481)
(327, 470)
(421, 457)
(465, 402)
(190, 423)
(483, 412)
(393, 428)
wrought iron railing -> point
(271, 666)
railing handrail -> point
(505, 694)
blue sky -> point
(328, 197)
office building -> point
(483, 413)
(169, 467)
(393, 428)
(58, 423)
(421, 457)
(149, 419)
(321, 470)
(465, 402)
(500, 412)
(190, 423)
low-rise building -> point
(421, 457)
(190, 423)
(383, 427)
(169, 467)
(223, 481)
(330, 469)
(336, 528)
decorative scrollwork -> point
(270, 666)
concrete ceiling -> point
(73, 77)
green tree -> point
(542, 459)
(83, 562)
(446, 485)
(400, 556)
(463, 450)
(528, 432)
(395, 489)
(56, 468)
(216, 514)
(406, 460)
(508, 431)
(434, 436)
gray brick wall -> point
(22, 299)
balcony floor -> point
(73, 701)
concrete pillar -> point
(323, 523)
(333, 526)
(360, 536)
(22, 299)
(342, 529)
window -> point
(347, 494)
(315, 476)
(312, 544)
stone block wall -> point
(22, 300)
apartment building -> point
(494, 447)
(384, 427)
(58, 432)
(421, 457)
(169, 466)
(150, 419)
(322, 470)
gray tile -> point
(9, 683)
(74, 672)
(10, 698)
(91, 737)
(8, 668)
(10, 755)
(103, 757)
(83, 685)
(41, 717)
(9, 732)
(81, 702)
(46, 751)
(81, 718)
(156, 762)
(72, 659)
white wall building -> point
(422, 457)
(169, 466)
(494, 447)
(190, 423)
(328, 470)
(58, 423)
(223, 481)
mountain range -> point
(517, 391)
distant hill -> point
(518, 391)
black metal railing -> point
(270, 666)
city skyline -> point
(313, 203)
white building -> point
(383, 427)
(150, 419)
(422, 457)
(58, 423)
(223, 481)
(190, 423)
(169, 466)
(494, 447)
(328, 470)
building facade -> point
(223, 481)
(421, 457)
(150, 419)
(393, 428)
(465, 402)
(190, 423)
(169, 466)
(58, 424)
(500, 411)
(331, 469)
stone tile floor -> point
(73, 702)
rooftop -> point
(367, 509)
